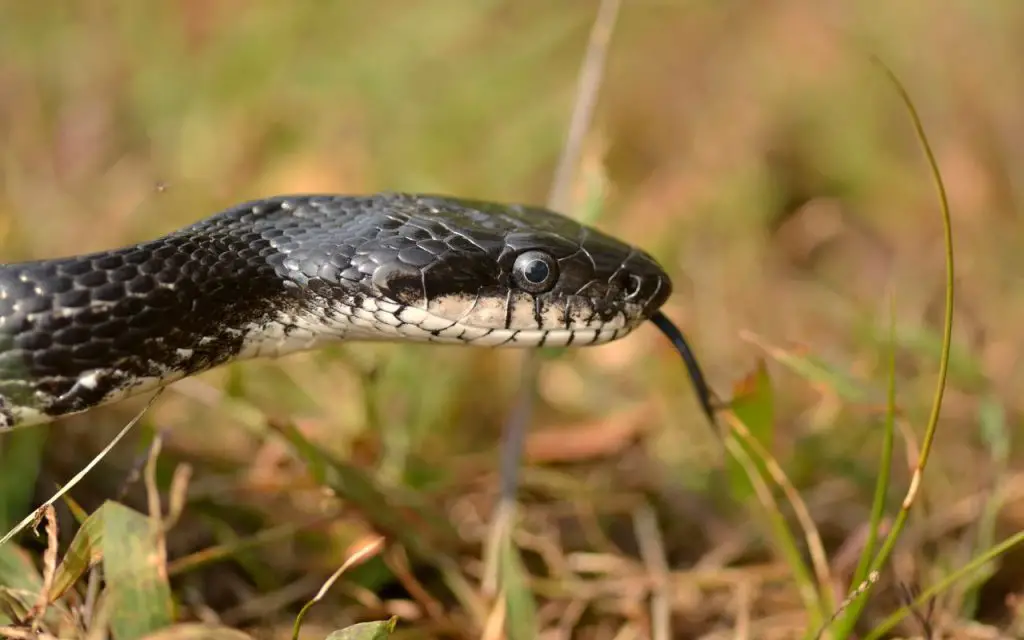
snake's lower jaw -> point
(515, 321)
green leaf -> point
(137, 588)
(754, 406)
(17, 571)
(19, 583)
(379, 630)
(138, 591)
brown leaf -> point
(600, 439)
(49, 563)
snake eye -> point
(535, 271)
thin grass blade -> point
(996, 433)
(879, 631)
(845, 622)
(521, 609)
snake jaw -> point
(455, 319)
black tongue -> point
(678, 340)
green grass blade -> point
(520, 607)
(846, 622)
(754, 406)
(754, 410)
(85, 551)
(996, 434)
(857, 605)
(971, 567)
(783, 538)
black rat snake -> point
(287, 273)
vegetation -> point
(754, 148)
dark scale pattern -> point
(77, 331)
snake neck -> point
(83, 331)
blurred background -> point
(750, 146)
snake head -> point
(450, 270)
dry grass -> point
(747, 145)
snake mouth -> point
(513, 321)
(387, 321)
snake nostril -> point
(633, 286)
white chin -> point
(389, 321)
(457, 334)
(412, 323)
(526, 338)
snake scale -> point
(288, 273)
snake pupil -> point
(537, 272)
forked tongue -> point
(678, 340)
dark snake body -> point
(283, 274)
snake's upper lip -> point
(662, 289)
